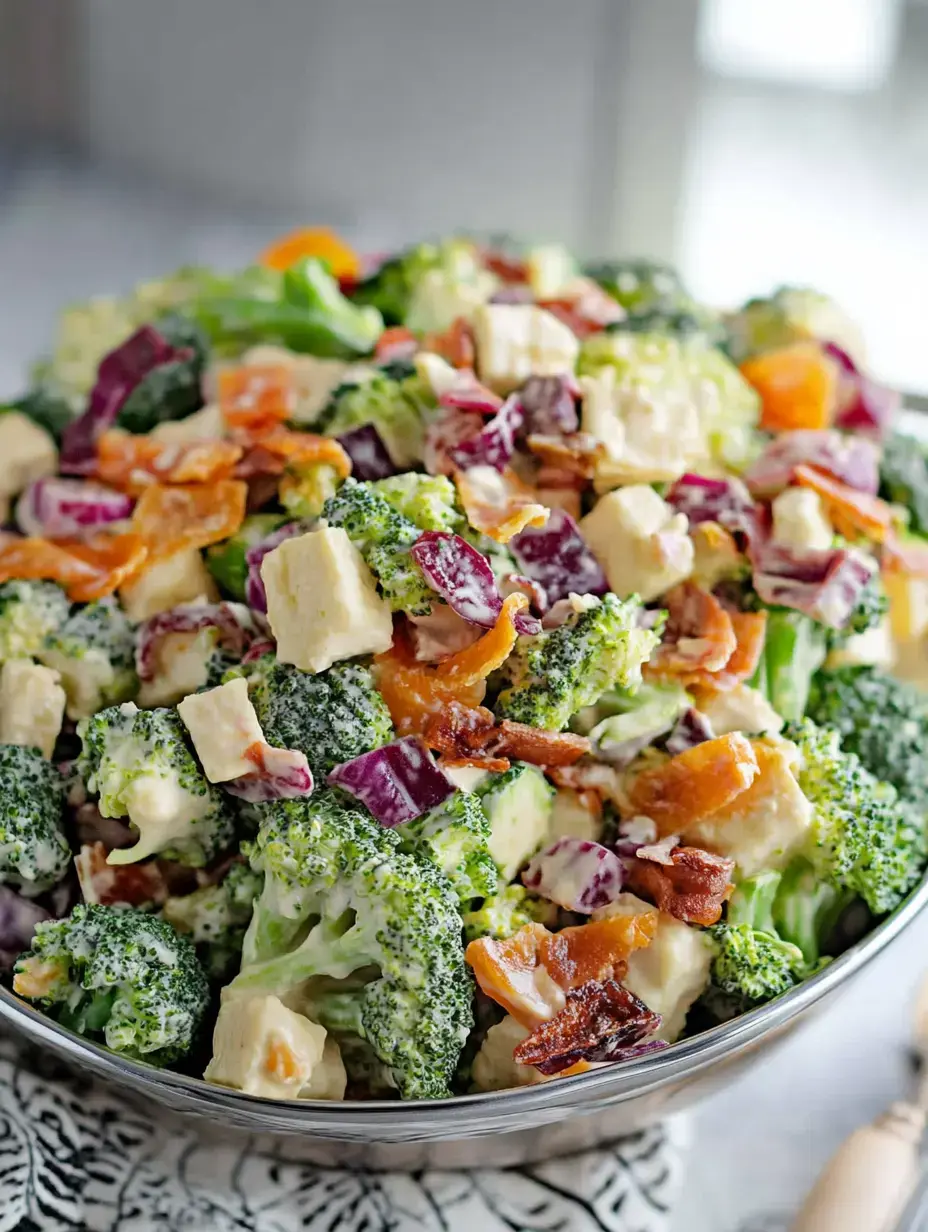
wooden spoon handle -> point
(865, 1186)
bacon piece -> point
(852, 513)
(455, 344)
(256, 397)
(131, 463)
(395, 343)
(475, 735)
(692, 887)
(600, 1022)
(87, 569)
(188, 516)
(498, 504)
(750, 629)
(694, 784)
(135, 885)
(699, 635)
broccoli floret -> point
(332, 717)
(383, 536)
(882, 720)
(640, 285)
(45, 406)
(749, 968)
(399, 288)
(455, 836)
(94, 650)
(215, 919)
(305, 488)
(139, 763)
(29, 612)
(904, 477)
(503, 914)
(118, 975)
(226, 560)
(554, 674)
(394, 407)
(427, 500)
(369, 935)
(686, 320)
(806, 909)
(34, 853)
(863, 837)
(170, 390)
(791, 314)
(795, 647)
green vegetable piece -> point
(904, 477)
(29, 613)
(518, 803)
(172, 390)
(215, 919)
(34, 853)
(396, 408)
(456, 837)
(503, 914)
(94, 651)
(226, 560)
(807, 909)
(427, 500)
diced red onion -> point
(863, 404)
(235, 624)
(852, 459)
(58, 508)
(258, 649)
(467, 394)
(283, 774)
(550, 406)
(464, 579)
(18, 918)
(825, 585)
(440, 633)
(690, 729)
(397, 782)
(577, 874)
(447, 429)
(255, 594)
(119, 373)
(556, 555)
(495, 443)
(369, 456)
(725, 501)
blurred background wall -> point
(750, 141)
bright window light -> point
(836, 44)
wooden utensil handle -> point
(866, 1184)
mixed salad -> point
(449, 671)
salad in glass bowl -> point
(448, 671)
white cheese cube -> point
(206, 424)
(262, 1048)
(762, 827)
(329, 1078)
(651, 436)
(516, 341)
(642, 545)
(466, 778)
(441, 296)
(222, 724)
(908, 605)
(31, 705)
(436, 372)
(494, 1067)
(550, 267)
(670, 973)
(180, 578)
(800, 521)
(575, 814)
(181, 666)
(742, 709)
(322, 601)
(27, 453)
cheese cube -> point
(182, 663)
(179, 578)
(466, 778)
(436, 372)
(642, 545)
(800, 521)
(262, 1048)
(322, 601)
(222, 725)
(741, 709)
(575, 814)
(762, 827)
(494, 1068)
(27, 453)
(329, 1078)
(516, 341)
(908, 605)
(550, 268)
(205, 424)
(31, 705)
(670, 973)
(875, 647)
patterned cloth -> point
(77, 1156)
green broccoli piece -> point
(139, 763)
(29, 612)
(455, 836)
(795, 647)
(806, 909)
(47, 407)
(394, 406)
(640, 285)
(332, 717)
(34, 853)
(215, 919)
(304, 488)
(687, 321)
(94, 650)
(882, 720)
(369, 935)
(383, 536)
(503, 914)
(423, 286)
(427, 500)
(904, 477)
(119, 976)
(556, 673)
(863, 837)
(749, 967)
(518, 803)
(226, 560)
(791, 314)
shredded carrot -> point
(851, 512)
(507, 971)
(798, 386)
(319, 242)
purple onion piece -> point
(513, 293)
(825, 585)
(446, 429)
(549, 404)
(18, 918)
(864, 405)
(557, 557)
(397, 782)
(255, 594)
(60, 508)
(495, 443)
(119, 373)
(725, 501)
(467, 394)
(518, 583)
(852, 459)
(369, 456)
(690, 729)
(234, 623)
(577, 874)
(463, 577)
(284, 775)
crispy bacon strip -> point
(107, 884)
(131, 463)
(852, 513)
(695, 784)
(474, 734)
(750, 629)
(169, 519)
(691, 888)
(699, 636)
(256, 398)
(87, 569)
(600, 1022)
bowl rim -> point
(613, 1083)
